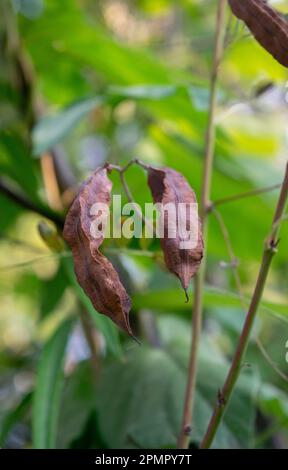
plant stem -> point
(184, 437)
(240, 196)
(234, 266)
(233, 374)
(23, 201)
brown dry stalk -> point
(184, 436)
(234, 267)
(269, 251)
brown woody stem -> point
(184, 437)
(269, 251)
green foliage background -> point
(110, 81)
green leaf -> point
(32, 9)
(17, 164)
(52, 291)
(78, 408)
(51, 130)
(146, 411)
(13, 417)
(171, 300)
(9, 213)
(102, 323)
(49, 383)
(199, 97)
(149, 387)
(237, 428)
(273, 402)
(261, 63)
(151, 92)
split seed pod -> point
(95, 273)
(267, 26)
(170, 187)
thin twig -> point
(64, 254)
(269, 251)
(21, 244)
(31, 262)
(247, 194)
(133, 252)
(270, 361)
(121, 171)
(184, 437)
(129, 196)
(226, 237)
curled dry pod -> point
(94, 272)
(267, 26)
(170, 187)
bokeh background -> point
(85, 82)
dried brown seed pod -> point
(168, 186)
(267, 26)
(95, 273)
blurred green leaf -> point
(261, 64)
(172, 300)
(49, 384)
(273, 402)
(9, 213)
(147, 409)
(52, 291)
(78, 401)
(199, 96)
(17, 164)
(13, 417)
(50, 130)
(31, 9)
(151, 92)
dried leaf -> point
(94, 272)
(268, 27)
(170, 187)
